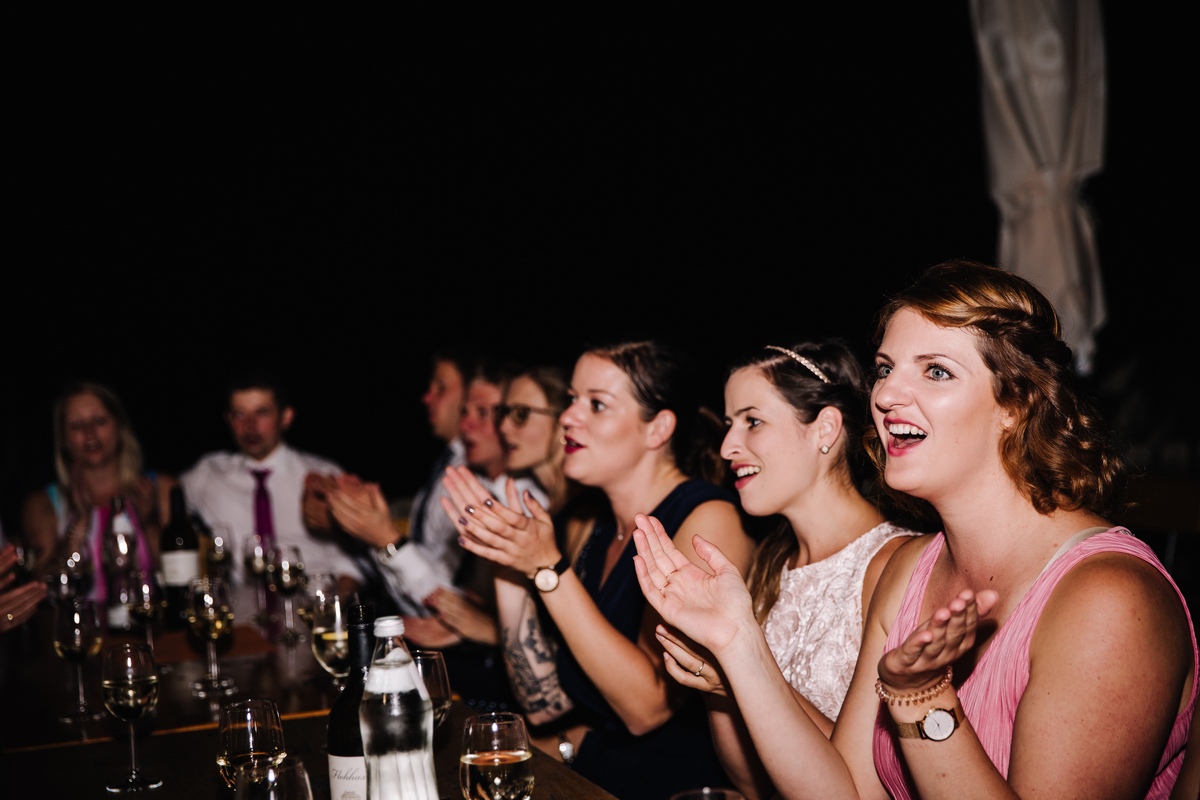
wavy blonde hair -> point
(129, 451)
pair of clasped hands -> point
(706, 612)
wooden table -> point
(42, 757)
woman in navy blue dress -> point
(638, 439)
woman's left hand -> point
(496, 532)
(687, 666)
(938, 642)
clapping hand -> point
(361, 510)
(493, 531)
(314, 502)
(429, 632)
(463, 613)
(936, 643)
(688, 664)
(709, 609)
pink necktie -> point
(263, 523)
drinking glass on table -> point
(254, 559)
(210, 616)
(496, 761)
(249, 734)
(319, 592)
(330, 637)
(146, 603)
(288, 780)
(130, 681)
(285, 574)
(432, 666)
(71, 576)
(218, 556)
(77, 637)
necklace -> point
(620, 537)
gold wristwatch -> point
(546, 578)
(938, 725)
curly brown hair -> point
(1059, 453)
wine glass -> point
(250, 733)
(210, 615)
(285, 573)
(254, 558)
(130, 682)
(287, 780)
(320, 590)
(77, 637)
(331, 637)
(496, 762)
(432, 667)
(146, 603)
(219, 555)
(72, 576)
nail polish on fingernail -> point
(470, 509)
(462, 520)
(488, 502)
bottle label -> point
(118, 615)
(180, 566)
(347, 777)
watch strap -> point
(913, 730)
(559, 568)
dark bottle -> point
(180, 547)
(347, 767)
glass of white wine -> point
(210, 616)
(250, 733)
(287, 780)
(330, 637)
(146, 603)
(254, 559)
(130, 681)
(77, 637)
(496, 761)
(285, 575)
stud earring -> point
(824, 449)
(562, 440)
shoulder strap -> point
(1074, 540)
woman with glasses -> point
(635, 437)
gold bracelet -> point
(914, 698)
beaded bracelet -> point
(914, 698)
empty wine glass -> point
(77, 637)
(146, 603)
(250, 733)
(287, 780)
(210, 615)
(496, 762)
(285, 573)
(432, 667)
(130, 681)
(254, 559)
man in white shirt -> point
(222, 488)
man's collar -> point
(270, 462)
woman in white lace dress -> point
(795, 417)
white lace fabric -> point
(814, 629)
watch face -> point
(546, 579)
(939, 724)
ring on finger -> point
(9, 617)
(697, 672)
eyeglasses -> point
(520, 413)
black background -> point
(335, 197)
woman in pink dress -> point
(1032, 647)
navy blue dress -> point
(677, 755)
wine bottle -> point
(180, 547)
(347, 768)
(397, 720)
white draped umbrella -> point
(1043, 113)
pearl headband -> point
(810, 365)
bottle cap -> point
(389, 626)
